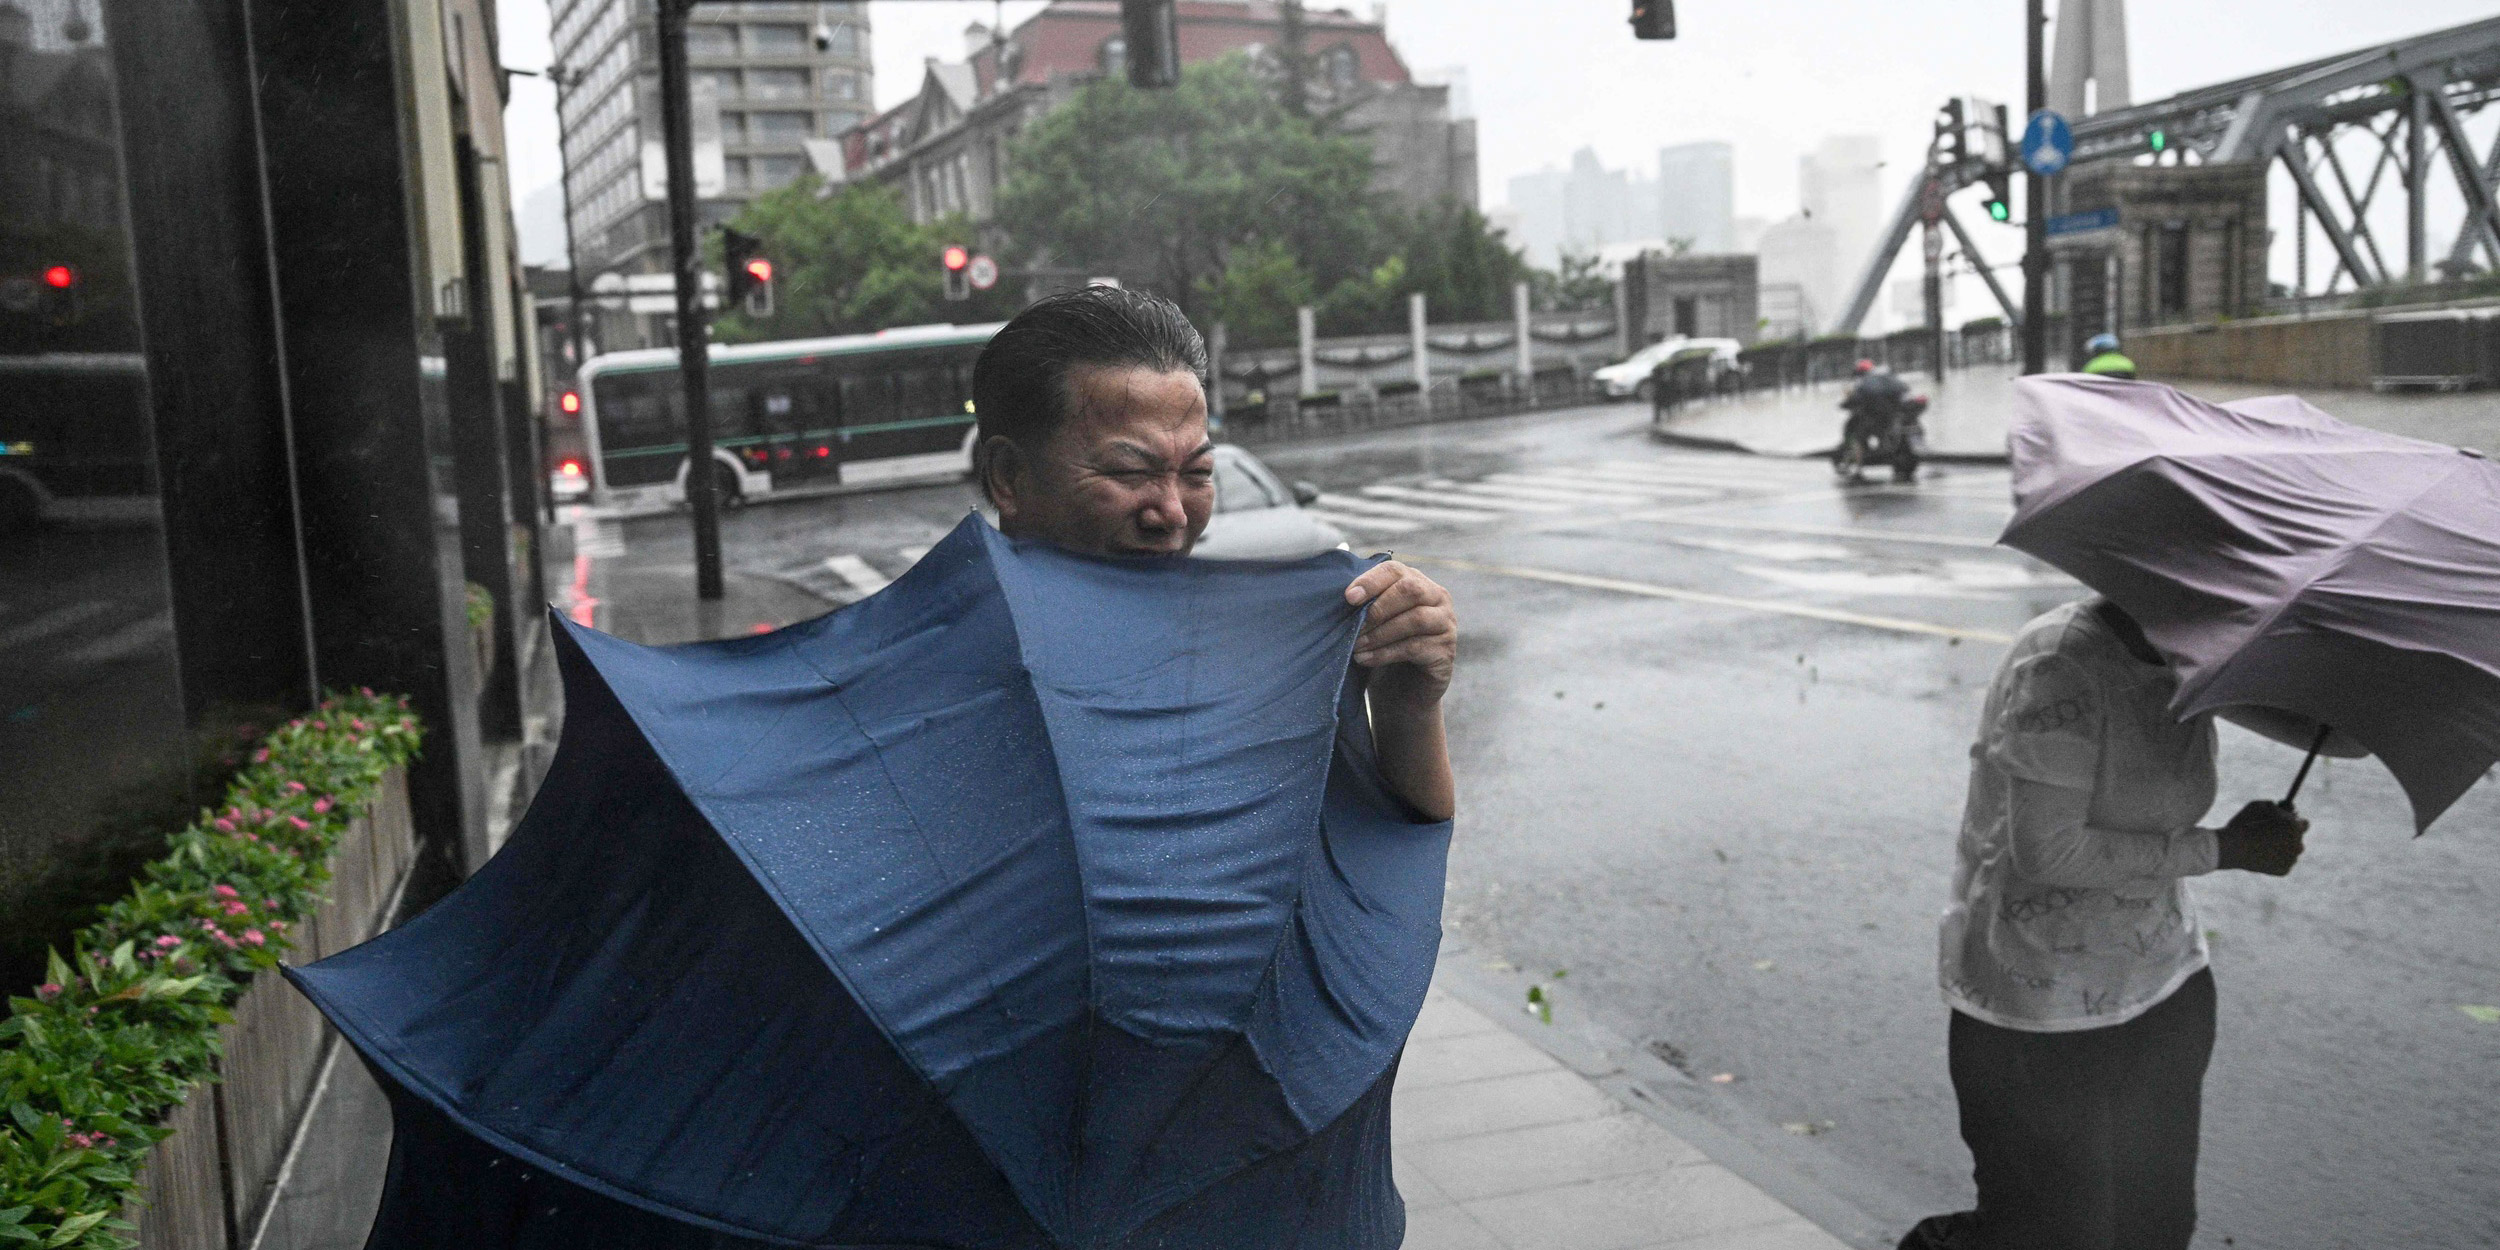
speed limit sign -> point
(982, 273)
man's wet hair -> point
(1020, 384)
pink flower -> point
(48, 991)
(261, 756)
(299, 822)
(251, 837)
(277, 926)
(168, 942)
(295, 787)
(358, 725)
(321, 725)
(222, 939)
(366, 691)
(238, 908)
(322, 804)
(222, 890)
(224, 825)
(254, 937)
(67, 1122)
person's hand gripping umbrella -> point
(2328, 586)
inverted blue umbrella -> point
(1034, 901)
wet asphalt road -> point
(1712, 724)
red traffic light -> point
(956, 258)
(60, 277)
(760, 269)
(570, 402)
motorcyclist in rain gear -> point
(2105, 359)
(1881, 425)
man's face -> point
(1129, 473)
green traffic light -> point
(1999, 210)
(2159, 140)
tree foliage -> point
(850, 262)
(1220, 196)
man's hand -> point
(1409, 644)
(2264, 837)
(1410, 640)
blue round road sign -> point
(2048, 143)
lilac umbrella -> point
(2294, 568)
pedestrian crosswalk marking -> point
(1367, 524)
(1682, 474)
(1452, 492)
(1403, 511)
(1822, 531)
(1809, 611)
(1600, 491)
(862, 575)
(1566, 496)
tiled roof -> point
(1067, 37)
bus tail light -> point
(570, 468)
(570, 403)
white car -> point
(1630, 377)
(1259, 517)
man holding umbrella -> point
(2082, 1009)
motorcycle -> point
(1896, 438)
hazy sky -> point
(1773, 77)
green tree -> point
(1173, 191)
(1574, 284)
(848, 263)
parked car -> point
(1259, 517)
(1629, 376)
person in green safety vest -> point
(2106, 359)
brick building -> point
(946, 147)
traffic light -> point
(1153, 37)
(1653, 19)
(750, 272)
(2000, 201)
(569, 403)
(1952, 127)
(2158, 140)
(957, 258)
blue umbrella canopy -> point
(1034, 901)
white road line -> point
(1679, 471)
(1895, 624)
(1405, 511)
(1571, 497)
(1601, 489)
(1367, 524)
(862, 576)
(1455, 494)
(1824, 531)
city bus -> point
(859, 409)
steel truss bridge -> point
(2399, 108)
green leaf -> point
(19, 1232)
(14, 1215)
(56, 969)
(2482, 1014)
(26, 1117)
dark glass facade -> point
(251, 443)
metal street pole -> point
(693, 336)
(565, 80)
(2035, 200)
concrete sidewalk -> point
(1502, 1146)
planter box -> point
(211, 1184)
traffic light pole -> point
(693, 335)
(2035, 200)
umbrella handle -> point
(2303, 775)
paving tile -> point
(1491, 1106)
(1469, 1057)
(1446, 1228)
(1444, 1016)
(1490, 1165)
(1793, 1234)
(1620, 1213)
(1413, 1185)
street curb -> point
(1828, 1192)
(1712, 442)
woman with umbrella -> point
(2082, 1008)
(2258, 560)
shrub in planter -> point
(126, 1023)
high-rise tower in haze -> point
(1697, 195)
(2091, 49)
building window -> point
(777, 40)
(777, 84)
(723, 81)
(780, 127)
(734, 173)
(711, 39)
(841, 84)
(1343, 66)
(733, 126)
(766, 173)
(838, 122)
(844, 39)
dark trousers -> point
(2082, 1141)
